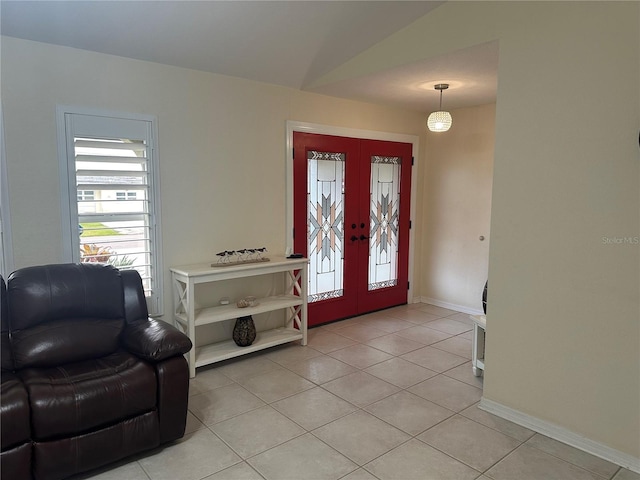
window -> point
(86, 195)
(110, 189)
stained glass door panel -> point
(325, 193)
(384, 219)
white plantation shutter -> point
(111, 180)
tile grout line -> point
(564, 459)
(401, 389)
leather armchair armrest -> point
(154, 340)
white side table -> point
(293, 301)
(477, 353)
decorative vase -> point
(244, 331)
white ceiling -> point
(290, 43)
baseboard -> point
(450, 306)
(562, 434)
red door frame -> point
(356, 298)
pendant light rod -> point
(441, 87)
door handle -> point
(363, 237)
(353, 238)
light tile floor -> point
(387, 396)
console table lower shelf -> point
(216, 352)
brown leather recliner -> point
(87, 377)
(15, 425)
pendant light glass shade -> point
(439, 121)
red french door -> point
(351, 219)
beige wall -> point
(564, 306)
(564, 337)
(221, 142)
(457, 177)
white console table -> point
(293, 301)
(477, 348)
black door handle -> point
(363, 237)
(353, 238)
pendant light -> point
(439, 121)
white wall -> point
(221, 142)
(457, 179)
(564, 329)
(564, 306)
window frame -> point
(69, 192)
(6, 246)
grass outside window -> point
(96, 229)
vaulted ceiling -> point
(289, 43)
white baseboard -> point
(562, 434)
(450, 306)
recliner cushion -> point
(14, 412)
(65, 341)
(74, 398)
(64, 313)
(62, 457)
(16, 463)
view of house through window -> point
(113, 201)
(112, 231)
